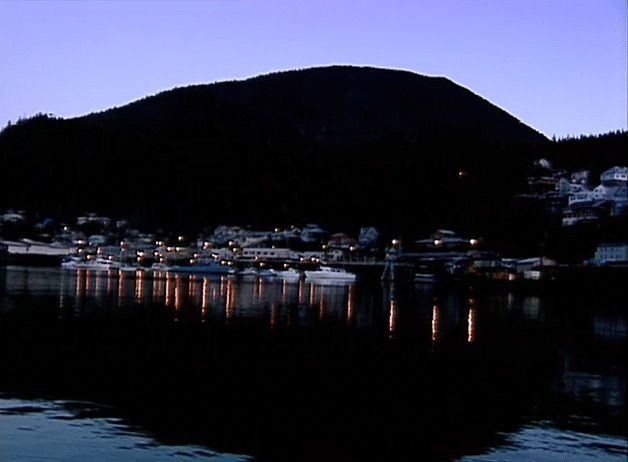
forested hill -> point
(338, 145)
(595, 152)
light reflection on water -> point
(397, 312)
(216, 296)
(224, 297)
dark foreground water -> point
(180, 368)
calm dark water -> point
(176, 368)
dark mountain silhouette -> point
(593, 152)
(341, 146)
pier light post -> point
(392, 256)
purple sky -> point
(558, 65)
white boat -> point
(290, 274)
(248, 273)
(102, 264)
(327, 273)
(253, 273)
(267, 273)
(73, 262)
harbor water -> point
(141, 367)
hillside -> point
(342, 146)
(596, 152)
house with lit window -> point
(611, 253)
(609, 198)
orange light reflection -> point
(471, 322)
(169, 290)
(229, 300)
(273, 316)
(350, 307)
(392, 317)
(435, 323)
(80, 283)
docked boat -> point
(102, 264)
(73, 262)
(248, 273)
(266, 273)
(253, 273)
(160, 267)
(326, 273)
(291, 274)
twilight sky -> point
(558, 65)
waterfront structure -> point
(443, 253)
(609, 198)
(31, 248)
(312, 233)
(611, 253)
(265, 253)
(341, 241)
(10, 216)
(584, 213)
(93, 218)
(575, 197)
(615, 176)
(368, 237)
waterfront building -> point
(92, 218)
(11, 216)
(312, 233)
(265, 253)
(611, 253)
(609, 198)
(615, 176)
(585, 212)
(96, 240)
(31, 248)
(566, 188)
(341, 241)
(285, 235)
(368, 237)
